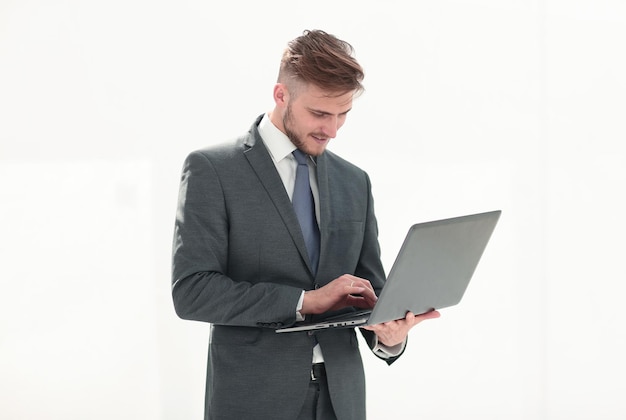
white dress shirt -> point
(280, 149)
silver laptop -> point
(432, 271)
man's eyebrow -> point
(318, 111)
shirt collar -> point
(277, 143)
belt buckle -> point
(314, 377)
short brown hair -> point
(322, 59)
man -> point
(246, 262)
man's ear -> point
(281, 95)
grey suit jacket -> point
(240, 263)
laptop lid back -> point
(434, 265)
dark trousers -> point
(317, 405)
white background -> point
(470, 106)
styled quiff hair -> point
(323, 60)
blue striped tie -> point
(304, 207)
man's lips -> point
(320, 139)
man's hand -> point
(344, 291)
(395, 332)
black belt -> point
(318, 371)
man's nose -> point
(332, 126)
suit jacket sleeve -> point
(201, 288)
(370, 265)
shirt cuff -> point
(387, 352)
(299, 316)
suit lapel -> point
(262, 164)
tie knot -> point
(300, 156)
